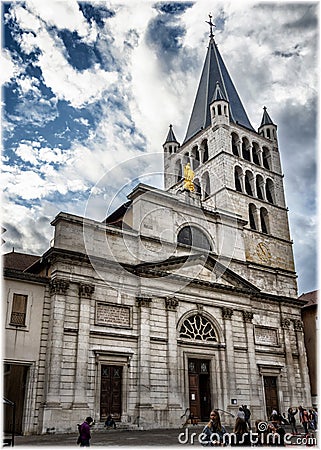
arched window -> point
(198, 328)
(195, 156)
(235, 140)
(238, 179)
(204, 146)
(269, 191)
(197, 185)
(267, 158)
(264, 217)
(194, 237)
(253, 216)
(248, 183)
(178, 171)
(255, 154)
(246, 149)
(206, 185)
(260, 187)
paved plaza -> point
(138, 438)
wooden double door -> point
(14, 389)
(199, 388)
(111, 392)
(271, 394)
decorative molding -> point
(86, 290)
(143, 301)
(58, 286)
(199, 308)
(247, 316)
(171, 303)
(266, 336)
(285, 323)
(227, 313)
(297, 324)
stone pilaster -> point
(171, 304)
(144, 400)
(285, 325)
(57, 288)
(305, 382)
(253, 371)
(85, 292)
(229, 353)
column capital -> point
(171, 303)
(86, 290)
(297, 324)
(227, 313)
(143, 301)
(58, 286)
(285, 323)
(247, 316)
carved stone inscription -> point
(112, 315)
(266, 336)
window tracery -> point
(198, 328)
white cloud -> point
(9, 69)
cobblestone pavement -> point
(178, 438)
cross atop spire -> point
(211, 24)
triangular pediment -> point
(200, 268)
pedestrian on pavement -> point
(84, 432)
(304, 419)
(312, 419)
(291, 418)
(214, 431)
(247, 414)
(241, 413)
(242, 436)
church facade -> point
(183, 299)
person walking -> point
(84, 432)
(247, 414)
(304, 418)
(291, 418)
(214, 431)
(241, 413)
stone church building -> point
(183, 299)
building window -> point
(269, 190)
(205, 150)
(206, 186)
(260, 187)
(19, 310)
(198, 328)
(237, 179)
(267, 158)
(255, 154)
(248, 183)
(252, 217)
(235, 139)
(197, 186)
(264, 221)
(194, 237)
(246, 149)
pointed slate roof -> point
(214, 70)
(266, 119)
(171, 136)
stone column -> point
(229, 352)
(171, 304)
(81, 382)
(305, 382)
(144, 400)
(57, 288)
(285, 325)
(253, 372)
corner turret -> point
(267, 128)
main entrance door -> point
(271, 394)
(199, 388)
(110, 393)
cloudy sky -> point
(89, 89)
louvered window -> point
(19, 310)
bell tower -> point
(237, 169)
